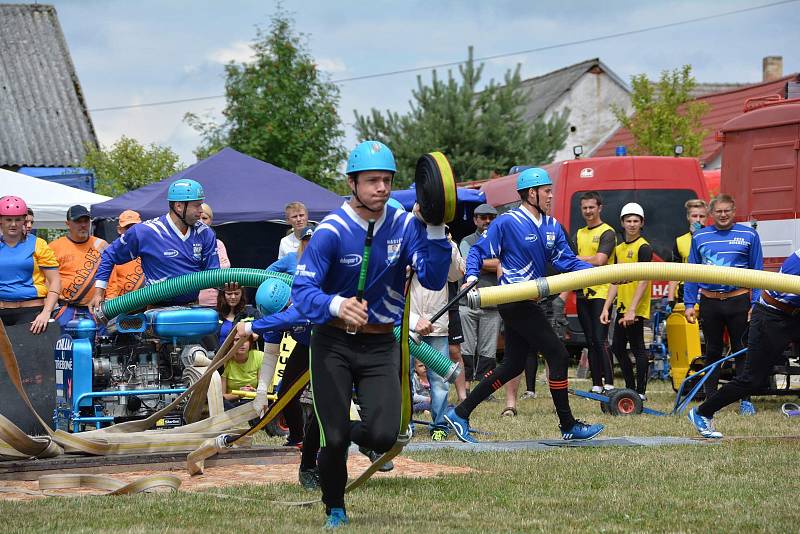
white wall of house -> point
(589, 101)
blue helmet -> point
(533, 177)
(185, 190)
(371, 156)
(272, 296)
(393, 202)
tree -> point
(279, 109)
(480, 132)
(128, 165)
(665, 114)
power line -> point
(484, 58)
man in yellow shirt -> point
(633, 302)
(595, 244)
(128, 276)
(78, 255)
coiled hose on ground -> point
(708, 274)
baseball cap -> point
(307, 232)
(485, 209)
(76, 212)
(129, 217)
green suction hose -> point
(433, 359)
(188, 283)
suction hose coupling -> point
(454, 372)
(474, 299)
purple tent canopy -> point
(238, 188)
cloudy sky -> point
(128, 53)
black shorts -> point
(455, 335)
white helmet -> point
(631, 208)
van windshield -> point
(665, 215)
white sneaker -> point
(643, 396)
(528, 395)
(607, 387)
(597, 389)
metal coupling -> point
(474, 299)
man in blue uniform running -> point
(775, 322)
(170, 245)
(353, 344)
(525, 240)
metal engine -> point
(140, 364)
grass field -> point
(737, 485)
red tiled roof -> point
(722, 107)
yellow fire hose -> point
(124, 438)
(708, 274)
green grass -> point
(733, 486)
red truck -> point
(760, 170)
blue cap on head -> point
(393, 202)
(272, 296)
(533, 177)
(371, 156)
(185, 190)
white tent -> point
(48, 200)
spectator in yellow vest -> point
(696, 213)
(633, 302)
(594, 243)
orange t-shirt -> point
(125, 278)
(77, 265)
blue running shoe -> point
(747, 408)
(337, 518)
(581, 431)
(459, 425)
(704, 425)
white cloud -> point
(240, 52)
(331, 65)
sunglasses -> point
(486, 217)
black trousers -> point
(715, 316)
(527, 331)
(340, 362)
(13, 316)
(770, 332)
(589, 311)
(308, 433)
(531, 368)
(632, 335)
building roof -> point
(42, 109)
(548, 88)
(722, 107)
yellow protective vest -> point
(629, 253)
(684, 246)
(588, 241)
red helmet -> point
(11, 206)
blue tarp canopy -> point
(467, 200)
(407, 197)
(71, 176)
(238, 188)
